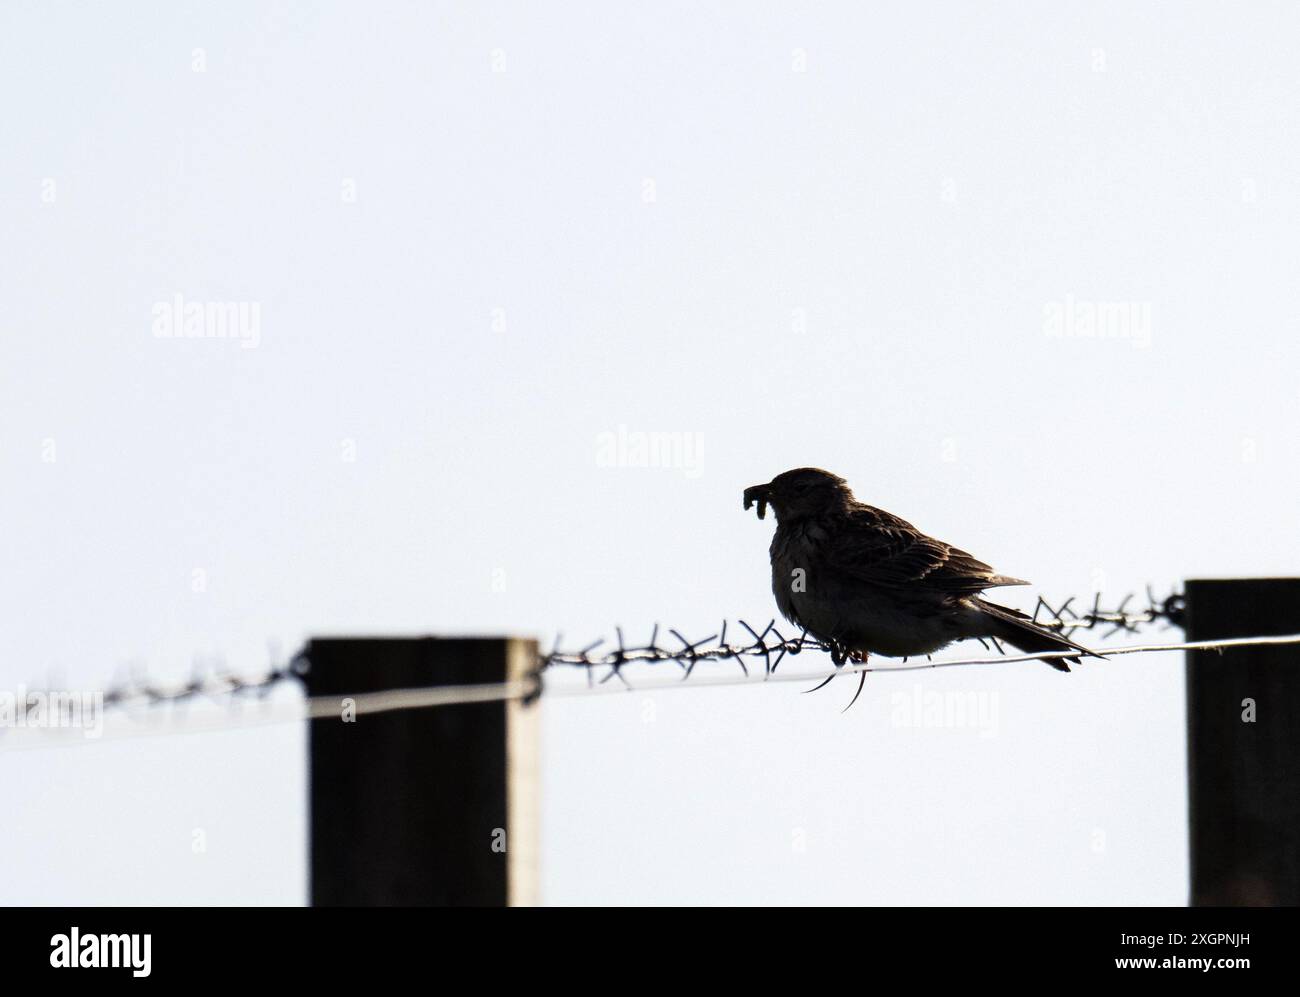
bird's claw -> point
(862, 680)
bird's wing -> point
(877, 547)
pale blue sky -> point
(824, 235)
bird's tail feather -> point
(1025, 635)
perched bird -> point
(866, 581)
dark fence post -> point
(432, 805)
(1243, 744)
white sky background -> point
(936, 178)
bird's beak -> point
(759, 494)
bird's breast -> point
(794, 554)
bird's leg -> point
(839, 655)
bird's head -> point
(798, 494)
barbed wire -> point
(208, 684)
(772, 646)
(855, 669)
(328, 707)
